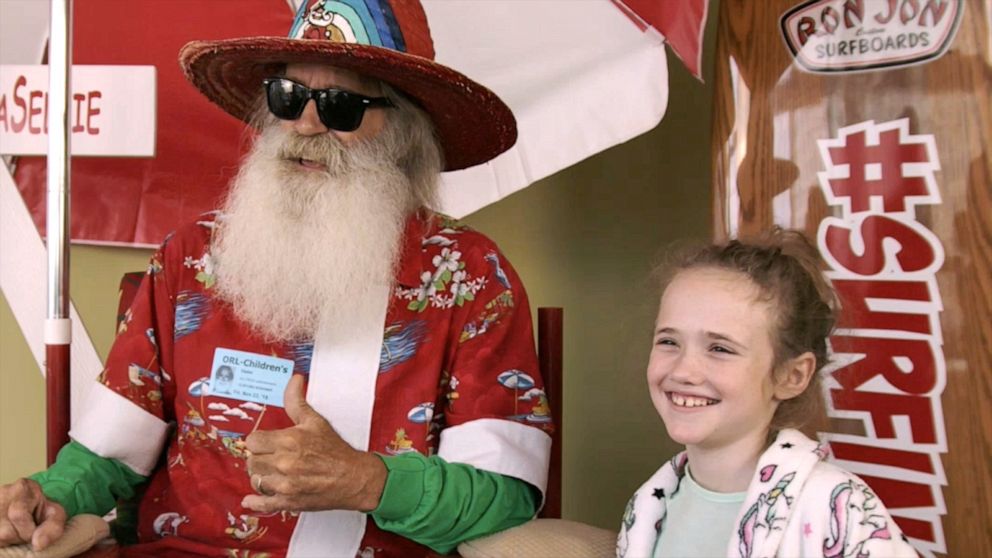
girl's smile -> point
(684, 400)
(710, 370)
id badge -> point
(250, 376)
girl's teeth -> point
(683, 401)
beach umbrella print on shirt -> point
(423, 414)
(516, 380)
(200, 387)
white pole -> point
(58, 327)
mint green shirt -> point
(426, 499)
(698, 522)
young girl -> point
(739, 342)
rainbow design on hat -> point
(365, 22)
(386, 40)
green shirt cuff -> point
(83, 482)
(404, 486)
(441, 504)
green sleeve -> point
(441, 504)
(83, 482)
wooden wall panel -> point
(769, 115)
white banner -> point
(112, 110)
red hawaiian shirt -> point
(457, 356)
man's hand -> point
(27, 516)
(309, 467)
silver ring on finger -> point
(257, 485)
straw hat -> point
(388, 40)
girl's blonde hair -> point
(785, 267)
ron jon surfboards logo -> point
(857, 35)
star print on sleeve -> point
(786, 445)
(659, 493)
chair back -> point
(549, 355)
(126, 293)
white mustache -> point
(296, 247)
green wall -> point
(584, 239)
(96, 273)
(22, 403)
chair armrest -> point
(81, 533)
(544, 538)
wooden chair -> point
(549, 356)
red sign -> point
(139, 201)
(889, 370)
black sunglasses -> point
(338, 110)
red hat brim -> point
(473, 125)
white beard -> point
(297, 249)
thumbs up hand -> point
(308, 467)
